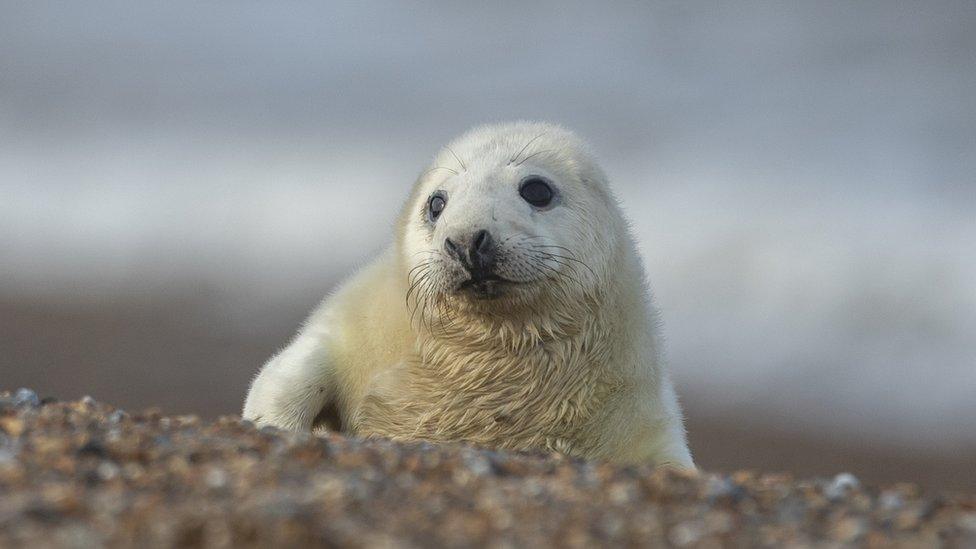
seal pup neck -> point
(511, 331)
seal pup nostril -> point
(452, 250)
(482, 250)
(482, 239)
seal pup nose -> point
(482, 250)
(478, 256)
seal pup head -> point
(512, 219)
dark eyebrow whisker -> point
(526, 146)
(533, 154)
(456, 157)
(455, 172)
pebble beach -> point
(85, 474)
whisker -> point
(565, 275)
(429, 297)
(421, 266)
(419, 306)
(538, 266)
(455, 172)
(456, 157)
(534, 154)
(422, 286)
(569, 258)
(554, 259)
(575, 278)
(526, 146)
(444, 315)
(551, 246)
(414, 286)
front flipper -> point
(294, 387)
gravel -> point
(86, 474)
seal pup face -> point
(510, 218)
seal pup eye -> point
(536, 191)
(436, 205)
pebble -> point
(26, 398)
(476, 463)
(686, 533)
(848, 529)
(908, 519)
(718, 487)
(216, 478)
(621, 493)
(840, 486)
(184, 481)
(118, 416)
(968, 522)
(107, 470)
(890, 500)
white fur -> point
(567, 359)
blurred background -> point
(180, 183)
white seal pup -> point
(512, 311)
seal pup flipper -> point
(293, 387)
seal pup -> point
(512, 311)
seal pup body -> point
(512, 311)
